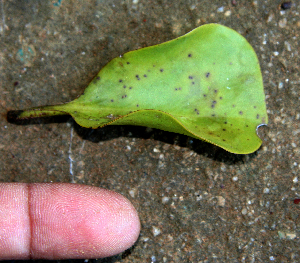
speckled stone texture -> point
(197, 203)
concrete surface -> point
(197, 203)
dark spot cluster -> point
(225, 122)
(191, 78)
(197, 111)
(213, 103)
(207, 74)
(178, 88)
(190, 55)
(138, 76)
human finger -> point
(59, 221)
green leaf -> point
(206, 84)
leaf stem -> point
(37, 112)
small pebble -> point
(156, 231)
(221, 201)
(220, 9)
(145, 239)
(156, 150)
(296, 201)
(286, 5)
(165, 199)
(290, 236)
(132, 193)
(227, 13)
(161, 156)
(287, 46)
(127, 147)
(282, 23)
(235, 178)
(286, 235)
(153, 259)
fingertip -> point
(123, 224)
(78, 221)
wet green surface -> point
(197, 203)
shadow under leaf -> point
(112, 132)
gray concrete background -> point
(197, 203)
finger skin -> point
(60, 221)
